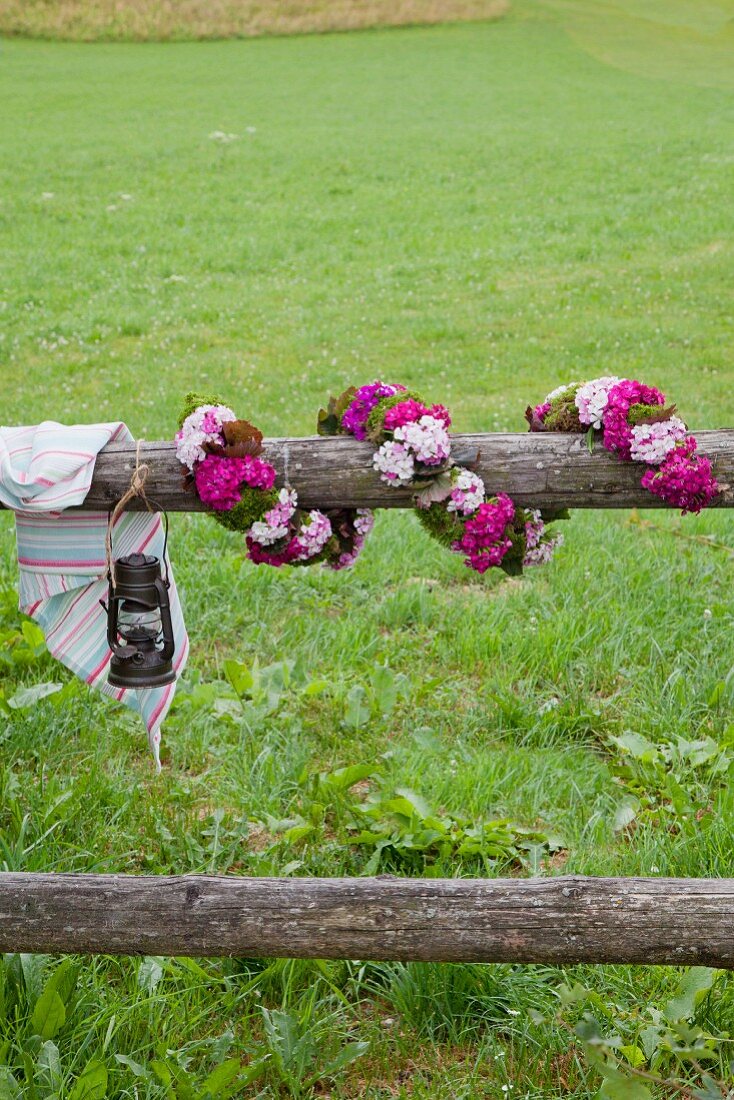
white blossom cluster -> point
(652, 443)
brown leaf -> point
(242, 438)
(534, 422)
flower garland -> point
(637, 425)
(222, 457)
(413, 447)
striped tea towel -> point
(61, 555)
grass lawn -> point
(480, 212)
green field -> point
(481, 212)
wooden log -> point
(555, 920)
(550, 470)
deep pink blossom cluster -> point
(485, 540)
(684, 479)
(219, 478)
(411, 411)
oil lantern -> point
(139, 628)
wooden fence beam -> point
(546, 920)
(540, 470)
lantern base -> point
(125, 674)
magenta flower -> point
(618, 436)
(684, 479)
(484, 541)
(355, 417)
(407, 412)
(263, 555)
(219, 478)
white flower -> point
(222, 137)
(592, 398)
(276, 524)
(203, 425)
(468, 492)
(651, 443)
(395, 463)
(427, 438)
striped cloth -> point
(43, 471)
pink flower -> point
(440, 412)
(262, 555)
(355, 417)
(684, 479)
(428, 440)
(484, 541)
(405, 413)
(618, 436)
(219, 479)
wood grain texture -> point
(554, 920)
(541, 470)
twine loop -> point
(138, 479)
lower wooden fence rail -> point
(568, 919)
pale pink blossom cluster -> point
(427, 438)
(204, 425)
(423, 441)
(275, 525)
(539, 550)
(313, 535)
(362, 523)
(652, 443)
(467, 491)
(278, 525)
(592, 398)
(394, 463)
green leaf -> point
(633, 1054)
(221, 1077)
(240, 677)
(9, 1087)
(49, 1015)
(134, 1067)
(638, 746)
(31, 696)
(694, 986)
(343, 778)
(590, 440)
(357, 709)
(623, 1088)
(150, 973)
(64, 978)
(418, 804)
(624, 815)
(92, 1082)
(348, 1054)
(162, 1072)
(34, 637)
(385, 689)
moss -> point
(513, 559)
(192, 401)
(376, 418)
(444, 526)
(251, 508)
(563, 416)
(641, 414)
